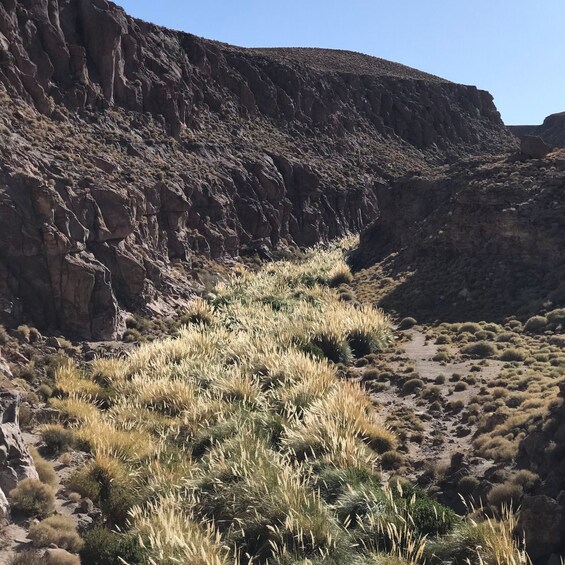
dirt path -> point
(432, 421)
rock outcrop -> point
(552, 131)
(481, 239)
(16, 463)
(126, 148)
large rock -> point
(542, 522)
(16, 463)
(128, 149)
(534, 147)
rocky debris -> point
(127, 149)
(16, 463)
(480, 239)
(534, 147)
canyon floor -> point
(459, 399)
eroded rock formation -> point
(126, 148)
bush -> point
(407, 323)
(525, 478)
(33, 498)
(503, 496)
(45, 391)
(363, 342)
(481, 349)
(468, 485)
(512, 354)
(22, 333)
(411, 386)
(556, 317)
(341, 275)
(58, 530)
(392, 460)
(469, 328)
(103, 547)
(536, 325)
(44, 469)
(27, 558)
(57, 439)
(333, 348)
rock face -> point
(481, 239)
(16, 463)
(126, 148)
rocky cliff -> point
(552, 131)
(479, 239)
(126, 148)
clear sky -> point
(513, 48)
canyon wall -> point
(126, 149)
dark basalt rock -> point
(126, 149)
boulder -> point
(534, 147)
(16, 463)
(542, 522)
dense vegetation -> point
(236, 441)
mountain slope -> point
(127, 149)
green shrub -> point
(536, 325)
(22, 333)
(363, 343)
(469, 327)
(481, 349)
(556, 317)
(333, 348)
(468, 485)
(57, 438)
(341, 276)
(104, 547)
(59, 530)
(33, 498)
(45, 391)
(407, 323)
(507, 495)
(392, 460)
(525, 478)
(513, 354)
(411, 386)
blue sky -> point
(513, 48)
